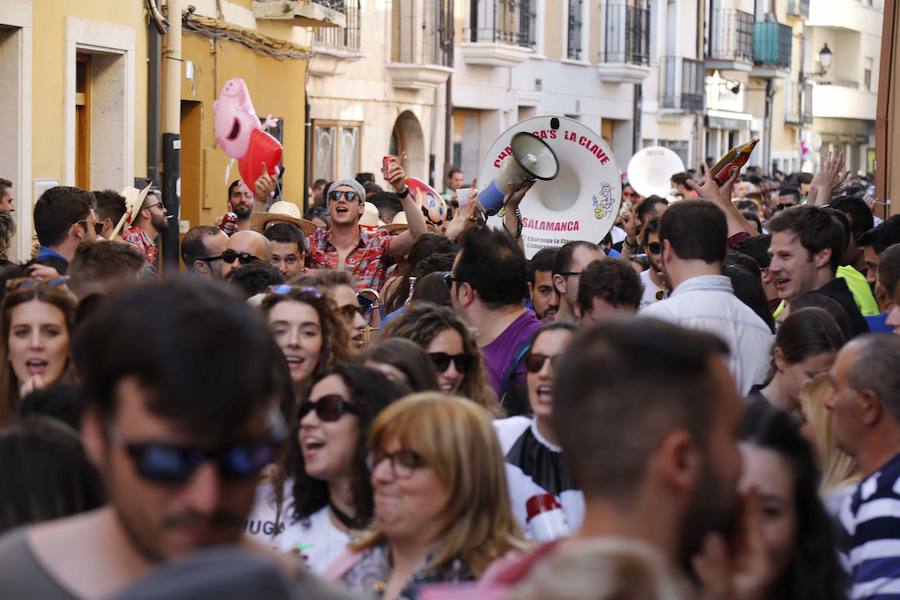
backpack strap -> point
(509, 378)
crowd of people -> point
(358, 402)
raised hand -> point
(830, 177)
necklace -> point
(342, 517)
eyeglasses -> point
(782, 206)
(441, 361)
(402, 463)
(654, 247)
(154, 205)
(20, 283)
(535, 362)
(350, 311)
(349, 195)
(328, 408)
(449, 279)
(230, 256)
(97, 227)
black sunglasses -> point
(328, 408)
(654, 247)
(229, 256)
(449, 279)
(170, 464)
(441, 361)
(535, 362)
(349, 195)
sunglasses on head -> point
(348, 195)
(442, 360)
(535, 362)
(20, 283)
(328, 408)
(286, 288)
(229, 256)
(654, 247)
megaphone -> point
(532, 159)
(650, 170)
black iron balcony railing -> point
(418, 41)
(731, 35)
(574, 51)
(683, 83)
(772, 44)
(627, 34)
(344, 38)
(502, 21)
(798, 8)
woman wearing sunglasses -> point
(451, 347)
(306, 328)
(403, 361)
(38, 317)
(441, 502)
(321, 496)
(353, 313)
(534, 462)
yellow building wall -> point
(277, 87)
(49, 58)
(554, 44)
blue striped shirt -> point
(870, 544)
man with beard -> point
(241, 203)
(648, 419)
(652, 278)
(693, 235)
(180, 426)
(544, 297)
(149, 218)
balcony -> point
(730, 44)
(798, 8)
(336, 47)
(418, 60)
(843, 100)
(626, 48)
(500, 33)
(305, 13)
(682, 85)
(771, 50)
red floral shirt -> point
(135, 236)
(367, 262)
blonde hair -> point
(602, 569)
(455, 438)
(838, 468)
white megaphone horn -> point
(532, 159)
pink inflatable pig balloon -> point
(235, 118)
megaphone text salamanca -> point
(531, 159)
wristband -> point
(404, 193)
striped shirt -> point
(870, 544)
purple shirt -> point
(500, 353)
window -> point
(867, 73)
(503, 21)
(416, 37)
(83, 121)
(335, 150)
(345, 38)
(574, 29)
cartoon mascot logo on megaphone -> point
(603, 201)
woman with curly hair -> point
(451, 347)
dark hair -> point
(371, 392)
(814, 572)
(829, 305)
(696, 229)
(757, 248)
(681, 178)
(57, 210)
(857, 211)
(807, 332)
(753, 218)
(889, 268)
(99, 265)
(789, 190)
(433, 289)
(207, 359)
(882, 236)
(541, 261)
(614, 281)
(193, 246)
(109, 205)
(492, 263)
(562, 263)
(620, 387)
(5, 184)
(255, 278)
(817, 228)
(61, 402)
(365, 177)
(286, 233)
(320, 183)
(748, 289)
(46, 474)
(371, 187)
(651, 226)
(453, 171)
(425, 246)
(551, 326)
(647, 206)
(233, 186)
(408, 357)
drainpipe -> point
(307, 144)
(154, 75)
(449, 29)
(171, 137)
(767, 128)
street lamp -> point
(824, 59)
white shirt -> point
(316, 539)
(708, 303)
(650, 290)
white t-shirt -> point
(534, 466)
(650, 290)
(316, 539)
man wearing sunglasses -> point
(148, 218)
(652, 278)
(109, 207)
(180, 448)
(243, 248)
(63, 218)
(364, 254)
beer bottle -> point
(733, 160)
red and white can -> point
(546, 519)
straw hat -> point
(369, 218)
(398, 223)
(134, 202)
(282, 212)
